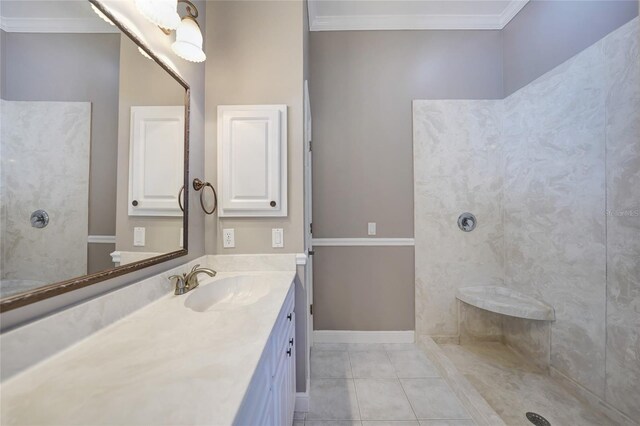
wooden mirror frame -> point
(55, 289)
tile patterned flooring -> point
(378, 385)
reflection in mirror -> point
(91, 147)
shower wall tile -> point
(45, 165)
(553, 174)
(622, 53)
(457, 167)
(554, 202)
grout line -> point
(355, 388)
(402, 387)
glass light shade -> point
(163, 13)
(188, 44)
(102, 15)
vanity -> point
(223, 353)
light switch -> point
(138, 237)
(277, 238)
(372, 228)
(228, 238)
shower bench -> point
(493, 313)
(506, 301)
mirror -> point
(92, 151)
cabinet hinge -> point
(310, 146)
(311, 228)
(311, 309)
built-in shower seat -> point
(505, 301)
(493, 313)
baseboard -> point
(302, 402)
(348, 336)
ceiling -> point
(353, 15)
(51, 16)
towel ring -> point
(199, 185)
(179, 195)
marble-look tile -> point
(457, 168)
(433, 399)
(332, 423)
(391, 423)
(333, 399)
(412, 364)
(330, 364)
(554, 199)
(478, 324)
(513, 386)
(371, 365)
(383, 399)
(531, 339)
(447, 423)
(39, 174)
(622, 50)
(392, 347)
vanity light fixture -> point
(188, 44)
(163, 13)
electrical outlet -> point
(277, 238)
(371, 227)
(138, 237)
(228, 238)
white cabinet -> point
(252, 160)
(270, 399)
(156, 160)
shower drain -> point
(537, 419)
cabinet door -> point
(156, 160)
(252, 160)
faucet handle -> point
(180, 282)
(195, 267)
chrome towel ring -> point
(199, 185)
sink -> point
(227, 293)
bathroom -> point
(320, 212)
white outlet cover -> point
(228, 238)
(371, 228)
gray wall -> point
(546, 33)
(256, 51)
(194, 75)
(362, 85)
(140, 79)
(75, 67)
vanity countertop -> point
(164, 364)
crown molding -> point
(412, 22)
(55, 25)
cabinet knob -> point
(289, 352)
(291, 342)
(272, 204)
(134, 203)
(289, 317)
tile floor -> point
(378, 385)
(513, 386)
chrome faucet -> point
(187, 282)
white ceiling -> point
(346, 15)
(51, 16)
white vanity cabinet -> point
(270, 398)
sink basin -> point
(227, 293)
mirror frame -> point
(55, 289)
